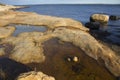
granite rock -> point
(33, 75)
(6, 31)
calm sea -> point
(82, 14)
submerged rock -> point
(35, 76)
(72, 59)
(93, 25)
(75, 59)
(6, 31)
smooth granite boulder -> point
(102, 18)
(33, 75)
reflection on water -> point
(57, 64)
(28, 28)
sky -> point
(23, 2)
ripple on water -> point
(28, 28)
(115, 34)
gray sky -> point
(21, 2)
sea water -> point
(82, 13)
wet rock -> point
(114, 17)
(93, 25)
(35, 76)
(102, 18)
(6, 31)
(10, 69)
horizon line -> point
(68, 4)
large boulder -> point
(33, 75)
(6, 31)
(102, 18)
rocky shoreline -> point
(4, 7)
(28, 46)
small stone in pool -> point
(69, 59)
(75, 59)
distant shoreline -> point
(67, 4)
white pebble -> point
(75, 59)
(69, 59)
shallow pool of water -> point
(28, 28)
(57, 65)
